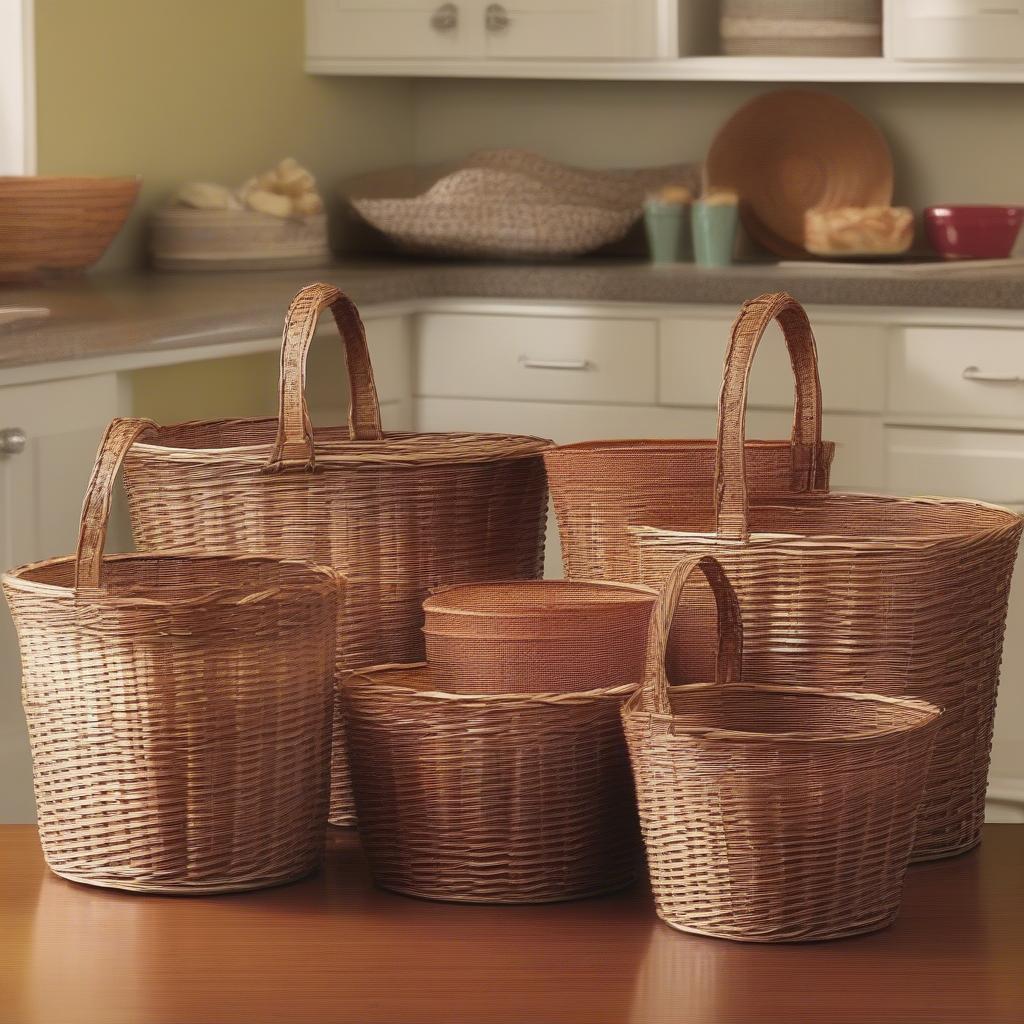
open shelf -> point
(687, 69)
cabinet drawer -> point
(955, 30)
(536, 357)
(398, 29)
(957, 371)
(851, 361)
(987, 465)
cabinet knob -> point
(445, 18)
(496, 18)
(12, 440)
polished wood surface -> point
(334, 949)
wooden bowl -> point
(794, 150)
(60, 224)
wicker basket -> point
(771, 813)
(801, 28)
(543, 635)
(903, 596)
(482, 798)
(398, 514)
(178, 707)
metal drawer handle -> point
(445, 18)
(974, 373)
(496, 18)
(555, 364)
(12, 441)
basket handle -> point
(730, 463)
(653, 694)
(92, 534)
(293, 447)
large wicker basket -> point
(771, 813)
(398, 514)
(179, 708)
(525, 636)
(903, 596)
(490, 798)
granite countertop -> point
(108, 314)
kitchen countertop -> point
(333, 949)
(109, 314)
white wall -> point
(17, 88)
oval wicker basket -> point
(483, 798)
(551, 636)
(179, 708)
(903, 596)
(396, 513)
(771, 813)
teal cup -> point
(668, 231)
(714, 233)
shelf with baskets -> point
(669, 40)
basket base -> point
(509, 900)
(957, 851)
(849, 933)
(211, 888)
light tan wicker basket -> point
(485, 798)
(553, 636)
(771, 813)
(397, 513)
(178, 706)
(903, 596)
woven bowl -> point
(60, 224)
(536, 636)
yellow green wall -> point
(199, 89)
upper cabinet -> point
(924, 40)
(431, 30)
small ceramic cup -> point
(667, 219)
(715, 220)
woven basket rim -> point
(364, 677)
(630, 445)
(395, 448)
(220, 594)
(574, 591)
(932, 712)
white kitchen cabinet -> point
(954, 30)
(42, 483)
(436, 31)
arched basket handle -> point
(293, 447)
(92, 533)
(653, 693)
(809, 466)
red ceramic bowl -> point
(973, 232)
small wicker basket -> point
(485, 798)
(178, 706)
(536, 635)
(771, 813)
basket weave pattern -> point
(398, 514)
(490, 799)
(889, 595)
(543, 635)
(771, 813)
(178, 709)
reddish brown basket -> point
(483, 798)
(397, 513)
(903, 596)
(179, 708)
(550, 636)
(771, 813)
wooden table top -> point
(334, 949)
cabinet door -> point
(583, 29)
(394, 29)
(41, 491)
